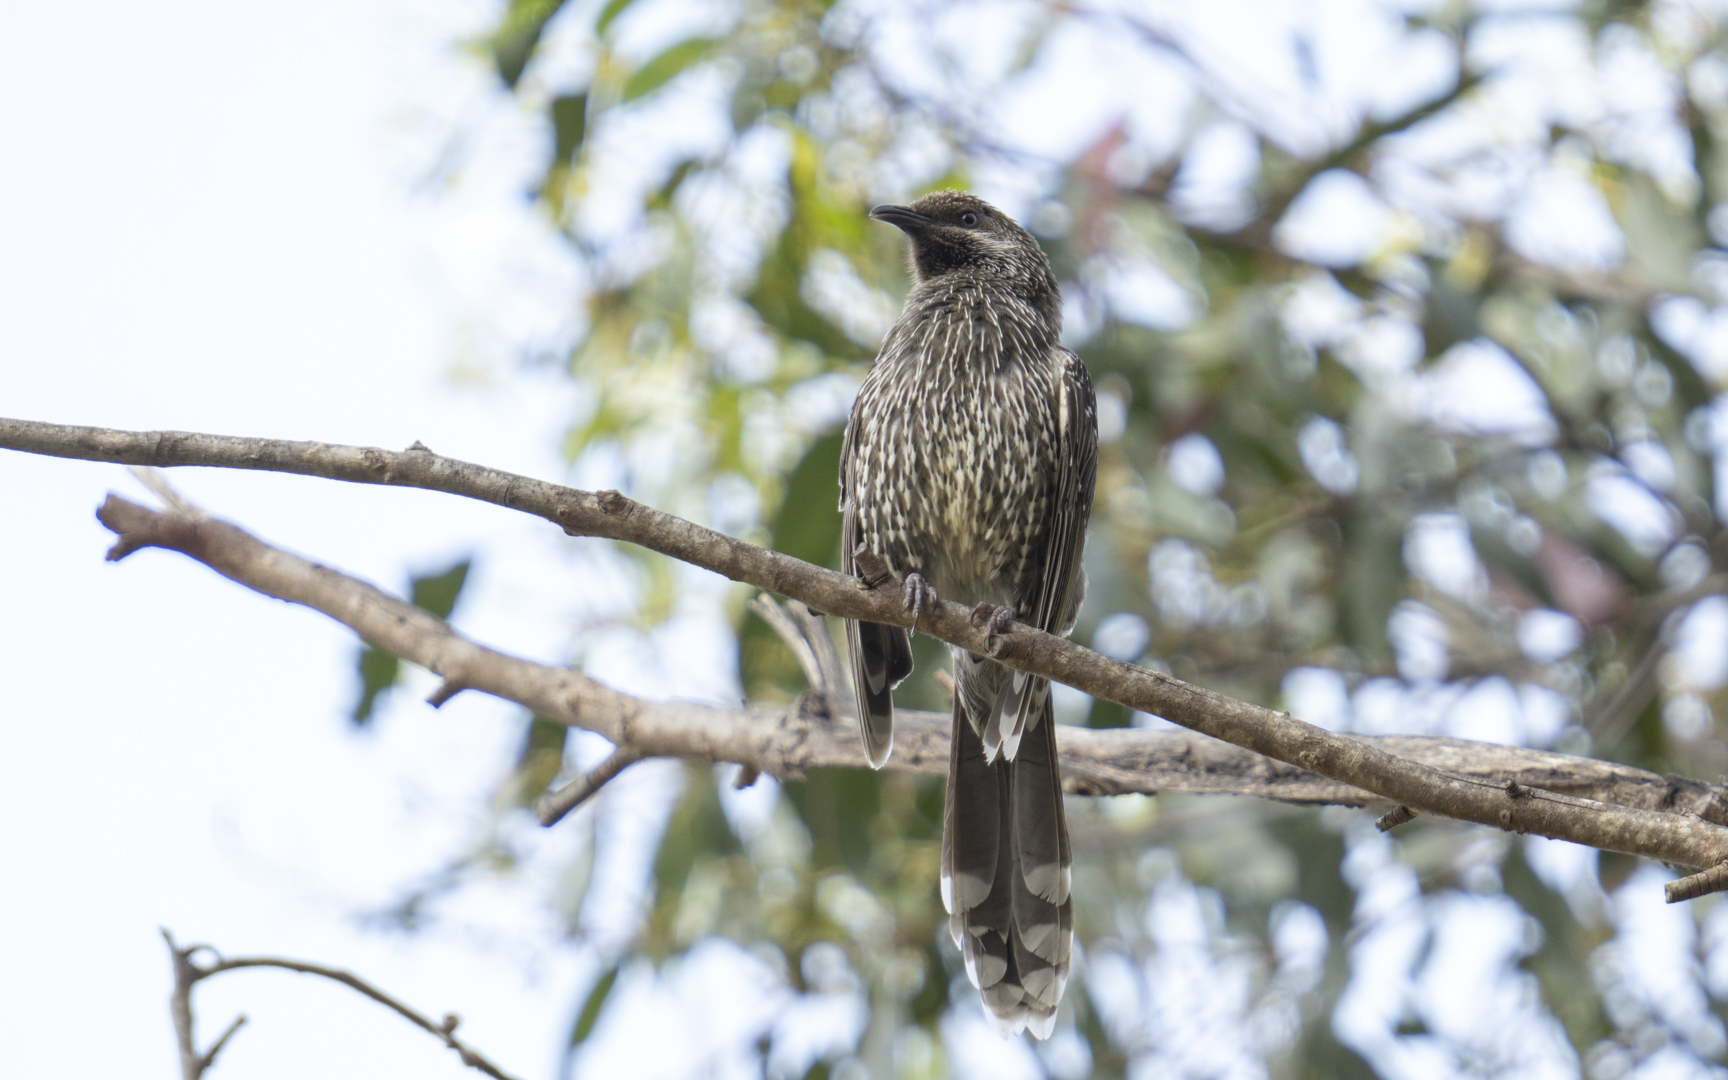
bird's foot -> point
(916, 595)
(995, 618)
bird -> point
(967, 471)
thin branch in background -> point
(158, 485)
(209, 1057)
(186, 975)
(555, 804)
(189, 973)
(779, 620)
(1613, 720)
(833, 686)
(662, 729)
(806, 634)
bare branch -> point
(1683, 839)
(789, 631)
(555, 804)
(188, 973)
(447, 689)
(209, 1057)
(806, 634)
(833, 685)
(1394, 817)
(1710, 881)
(1613, 719)
(787, 741)
(192, 1063)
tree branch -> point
(555, 804)
(791, 740)
(1688, 840)
(189, 973)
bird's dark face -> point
(951, 230)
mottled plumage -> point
(968, 468)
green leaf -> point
(590, 1014)
(817, 221)
(439, 592)
(660, 70)
(808, 524)
(839, 807)
(1318, 851)
(698, 827)
(612, 10)
(1561, 965)
(537, 764)
(1108, 714)
(569, 124)
(378, 672)
(513, 43)
(1374, 580)
(1492, 548)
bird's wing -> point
(881, 656)
(1020, 697)
(1077, 475)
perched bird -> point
(968, 470)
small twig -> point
(1709, 881)
(192, 1063)
(447, 689)
(789, 631)
(1613, 720)
(555, 804)
(159, 487)
(833, 684)
(209, 1057)
(1394, 817)
(806, 634)
(188, 973)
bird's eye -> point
(968, 219)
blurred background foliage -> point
(1406, 326)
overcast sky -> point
(212, 223)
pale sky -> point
(211, 224)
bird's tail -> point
(1005, 865)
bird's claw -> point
(996, 619)
(916, 595)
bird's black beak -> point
(903, 218)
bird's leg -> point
(873, 573)
(995, 618)
(916, 596)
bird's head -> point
(956, 231)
